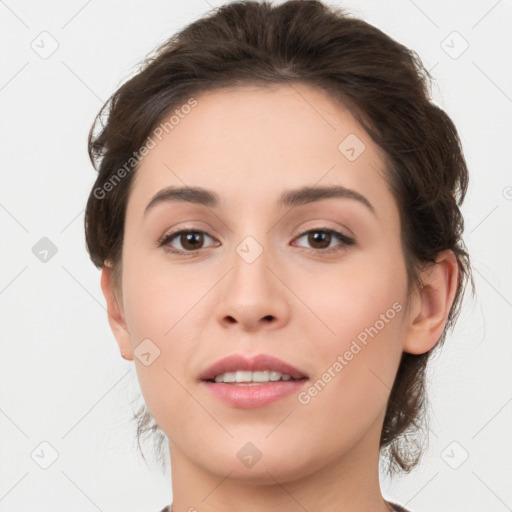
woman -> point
(276, 217)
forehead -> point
(249, 144)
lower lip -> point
(247, 396)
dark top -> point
(395, 506)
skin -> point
(249, 145)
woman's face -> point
(250, 282)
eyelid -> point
(320, 224)
(186, 227)
(345, 240)
(168, 236)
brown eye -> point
(190, 240)
(320, 240)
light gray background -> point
(62, 380)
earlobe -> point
(428, 320)
(115, 314)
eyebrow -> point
(295, 197)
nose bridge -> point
(251, 292)
(251, 275)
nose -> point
(253, 296)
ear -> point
(115, 314)
(431, 306)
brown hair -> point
(381, 82)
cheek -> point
(158, 298)
(356, 313)
(161, 313)
(356, 357)
(344, 301)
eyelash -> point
(346, 241)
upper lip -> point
(260, 362)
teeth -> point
(245, 376)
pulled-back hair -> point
(381, 82)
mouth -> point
(237, 369)
(245, 383)
(248, 378)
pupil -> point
(319, 237)
(189, 237)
